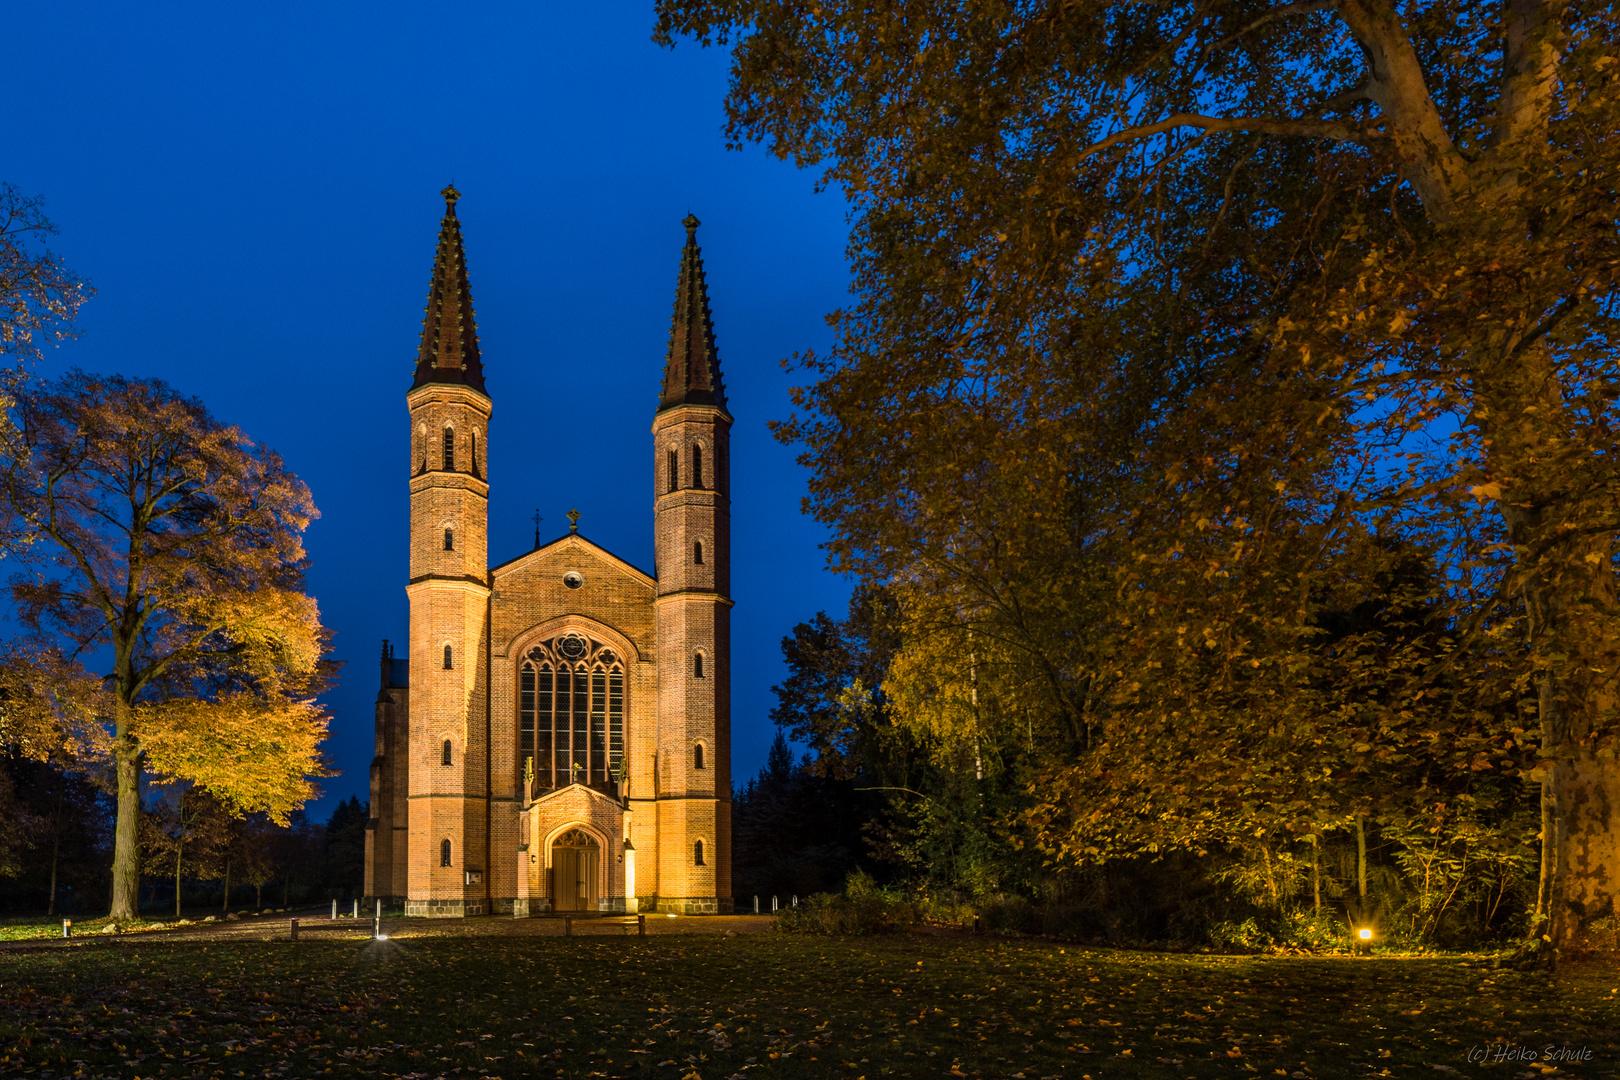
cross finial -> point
(573, 521)
(537, 520)
(450, 196)
(691, 222)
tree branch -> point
(1336, 130)
(1305, 8)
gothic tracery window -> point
(571, 712)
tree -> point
(174, 544)
(185, 835)
(39, 295)
(1208, 297)
(344, 848)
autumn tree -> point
(174, 547)
(185, 834)
(39, 295)
(1169, 315)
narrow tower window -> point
(673, 461)
(697, 665)
(697, 853)
(447, 664)
(449, 449)
(449, 540)
(444, 853)
(697, 553)
(697, 756)
(447, 753)
(472, 451)
(697, 466)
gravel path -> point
(316, 923)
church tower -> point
(692, 487)
(449, 596)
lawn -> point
(772, 1005)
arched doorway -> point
(576, 864)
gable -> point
(533, 591)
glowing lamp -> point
(1365, 934)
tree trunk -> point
(225, 904)
(1565, 558)
(178, 849)
(56, 849)
(126, 868)
(286, 885)
(258, 895)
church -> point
(557, 736)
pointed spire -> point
(449, 351)
(692, 368)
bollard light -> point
(1366, 934)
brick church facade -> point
(557, 736)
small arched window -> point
(444, 853)
(448, 750)
(449, 449)
(697, 665)
(447, 658)
(449, 539)
(697, 853)
(697, 553)
(472, 451)
(697, 756)
(672, 464)
(697, 466)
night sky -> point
(254, 193)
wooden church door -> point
(575, 868)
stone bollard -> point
(67, 927)
(295, 929)
(641, 925)
(568, 926)
(773, 905)
(334, 907)
(356, 913)
(756, 905)
(795, 899)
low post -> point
(568, 926)
(356, 913)
(334, 907)
(756, 905)
(295, 929)
(795, 899)
(67, 927)
(641, 925)
(773, 905)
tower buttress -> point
(692, 508)
(449, 595)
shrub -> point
(862, 909)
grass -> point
(772, 1005)
(43, 927)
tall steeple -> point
(692, 368)
(449, 351)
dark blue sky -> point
(253, 190)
